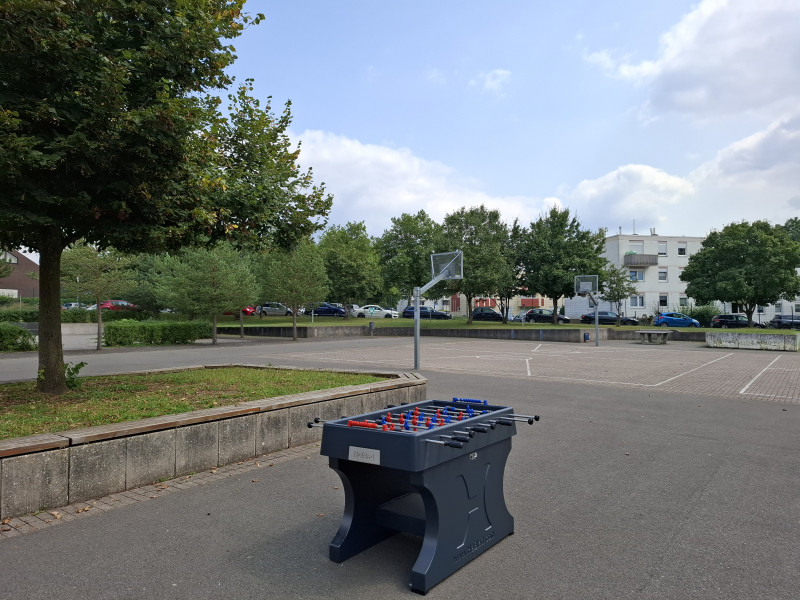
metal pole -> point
(416, 327)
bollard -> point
(585, 337)
(372, 328)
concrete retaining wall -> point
(753, 341)
(47, 471)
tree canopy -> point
(554, 250)
(109, 134)
(351, 263)
(750, 264)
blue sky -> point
(674, 115)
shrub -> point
(703, 313)
(19, 315)
(130, 332)
(16, 339)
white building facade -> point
(654, 263)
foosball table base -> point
(456, 506)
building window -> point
(797, 307)
(637, 301)
(683, 301)
(662, 275)
(637, 275)
(662, 248)
(636, 246)
(662, 300)
(681, 248)
(778, 307)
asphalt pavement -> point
(623, 490)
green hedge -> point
(15, 339)
(131, 332)
(19, 315)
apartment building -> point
(654, 263)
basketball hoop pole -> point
(445, 273)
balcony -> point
(639, 260)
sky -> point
(676, 116)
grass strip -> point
(118, 398)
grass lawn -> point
(118, 398)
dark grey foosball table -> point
(433, 469)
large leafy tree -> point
(482, 237)
(750, 264)
(109, 134)
(554, 250)
(98, 274)
(405, 251)
(351, 264)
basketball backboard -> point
(447, 265)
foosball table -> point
(433, 469)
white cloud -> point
(374, 183)
(723, 58)
(630, 193)
(492, 82)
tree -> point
(405, 251)
(792, 228)
(99, 274)
(750, 264)
(512, 277)
(109, 134)
(297, 277)
(482, 237)
(6, 266)
(206, 282)
(616, 286)
(351, 263)
(554, 250)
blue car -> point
(674, 319)
(324, 309)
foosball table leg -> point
(465, 513)
(366, 487)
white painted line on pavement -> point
(752, 381)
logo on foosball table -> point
(364, 455)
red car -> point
(115, 305)
(247, 311)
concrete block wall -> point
(753, 341)
(47, 471)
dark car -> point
(425, 312)
(732, 321)
(606, 317)
(484, 313)
(325, 309)
(543, 315)
(785, 321)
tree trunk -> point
(51, 378)
(214, 329)
(99, 325)
(469, 309)
(294, 322)
(555, 311)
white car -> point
(373, 311)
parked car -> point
(736, 320)
(324, 309)
(785, 321)
(607, 317)
(73, 305)
(247, 311)
(268, 309)
(543, 315)
(425, 312)
(484, 313)
(373, 311)
(114, 305)
(675, 319)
